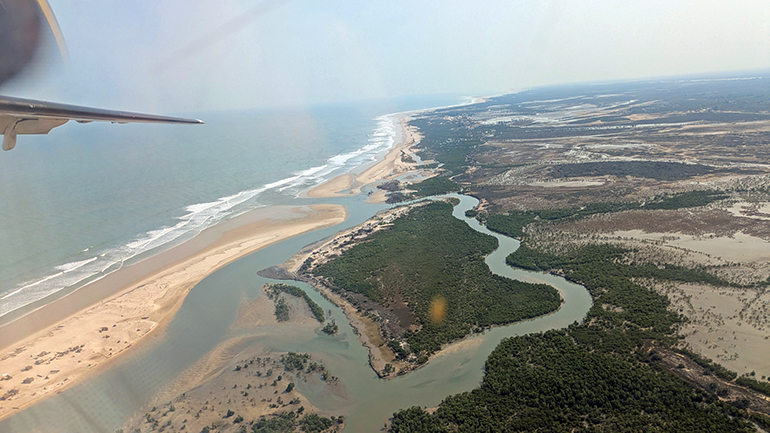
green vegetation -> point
(761, 387)
(598, 375)
(659, 170)
(709, 365)
(434, 186)
(280, 423)
(605, 258)
(510, 225)
(547, 382)
(287, 422)
(594, 376)
(686, 200)
(314, 423)
(415, 420)
(274, 290)
(447, 142)
(281, 310)
(294, 361)
(330, 328)
(430, 166)
(514, 222)
(428, 255)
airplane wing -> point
(25, 116)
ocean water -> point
(88, 199)
(106, 400)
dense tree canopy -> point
(592, 376)
(428, 254)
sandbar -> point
(234, 377)
(335, 187)
(64, 341)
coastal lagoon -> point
(87, 200)
(105, 401)
(114, 392)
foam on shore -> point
(89, 265)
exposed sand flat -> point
(738, 248)
(234, 376)
(391, 166)
(114, 313)
(459, 346)
(750, 210)
(333, 188)
(256, 312)
(379, 196)
(241, 388)
(728, 325)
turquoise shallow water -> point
(104, 402)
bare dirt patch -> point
(697, 376)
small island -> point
(274, 291)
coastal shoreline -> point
(391, 166)
(43, 353)
(78, 335)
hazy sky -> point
(196, 55)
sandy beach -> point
(67, 340)
(393, 165)
(61, 342)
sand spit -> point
(336, 187)
(107, 322)
(396, 163)
(69, 339)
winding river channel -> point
(104, 402)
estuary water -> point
(104, 402)
(86, 200)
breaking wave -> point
(87, 265)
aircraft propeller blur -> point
(21, 28)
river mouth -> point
(106, 401)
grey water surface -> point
(104, 402)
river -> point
(104, 402)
